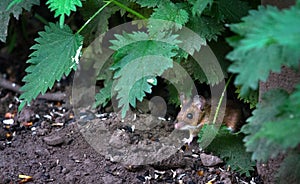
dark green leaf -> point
(230, 148)
(63, 7)
(55, 54)
(16, 10)
(268, 38)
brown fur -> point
(195, 113)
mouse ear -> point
(182, 97)
(199, 102)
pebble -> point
(41, 131)
(42, 152)
(210, 160)
(8, 121)
(54, 140)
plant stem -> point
(221, 99)
(92, 17)
(41, 19)
(129, 9)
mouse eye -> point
(189, 116)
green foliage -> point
(231, 149)
(251, 97)
(62, 7)
(266, 111)
(55, 54)
(199, 5)
(274, 125)
(148, 3)
(99, 24)
(166, 16)
(230, 10)
(267, 34)
(288, 174)
(8, 7)
(12, 3)
(147, 58)
(208, 28)
(104, 95)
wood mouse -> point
(195, 113)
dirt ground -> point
(47, 143)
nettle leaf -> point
(62, 7)
(104, 95)
(6, 9)
(266, 111)
(137, 63)
(231, 10)
(148, 3)
(289, 168)
(167, 16)
(55, 54)
(131, 83)
(199, 5)
(283, 131)
(193, 68)
(208, 28)
(267, 39)
(251, 98)
(231, 149)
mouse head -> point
(191, 113)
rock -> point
(42, 131)
(54, 140)
(210, 160)
(42, 152)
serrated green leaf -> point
(267, 39)
(173, 95)
(193, 68)
(139, 90)
(55, 54)
(283, 132)
(14, 2)
(230, 148)
(167, 16)
(279, 129)
(133, 72)
(289, 168)
(251, 98)
(199, 5)
(62, 7)
(206, 27)
(148, 3)
(16, 10)
(104, 95)
(154, 54)
(266, 111)
(232, 10)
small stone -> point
(54, 140)
(8, 121)
(41, 131)
(210, 160)
(42, 152)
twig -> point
(58, 96)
